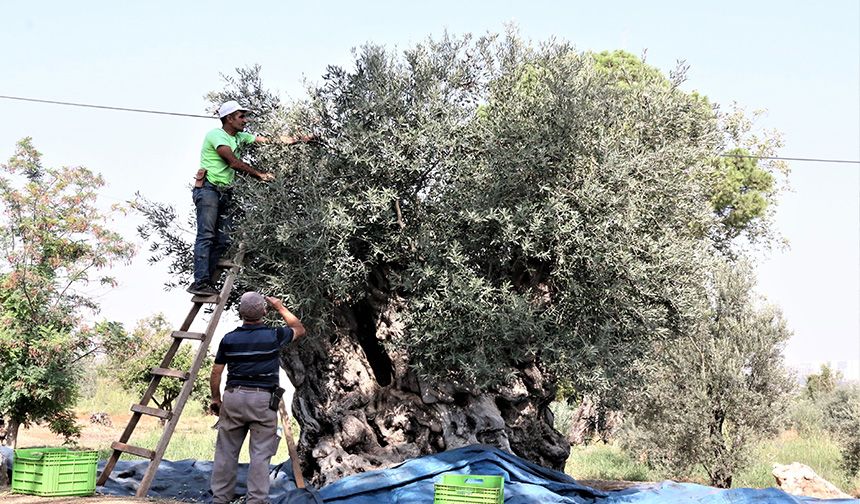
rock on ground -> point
(799, 479)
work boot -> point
(202, 289)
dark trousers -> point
(214, 224)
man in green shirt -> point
(220, 158)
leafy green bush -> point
(805, 416)
(54, 238)
(842, 414)
(131, 356)
(562, 416)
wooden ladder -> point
(172, 417)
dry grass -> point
(194, 437)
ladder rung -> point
(188, 335)
(134, 450)
(230, 269)
(146, 410)
(173, 373)
(205, 299)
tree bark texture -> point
(9, 432)
(590, 420)
(361, 407)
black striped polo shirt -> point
(251, 355)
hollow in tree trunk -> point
(361, 407)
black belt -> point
(231, 388)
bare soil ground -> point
(95, 435)
(92, 435)
(10, 498)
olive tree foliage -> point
(743, 181)
(711, 394)
(54, 242)
(741, 190)
(842, 420)
(517, 206)
(493, 213)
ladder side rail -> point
(189, 319)
(189, 384)
(147, 396)
(168, 358)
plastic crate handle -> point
(474, 481)
(30, 456)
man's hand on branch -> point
(275, 303)
(291, 140)
(310, 138)
(267, 176)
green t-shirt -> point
(218, 171)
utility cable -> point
(124, 109)
(792, 158)
(52, 102)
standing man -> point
(219, 161)
(251, 355)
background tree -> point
(131, 356)
(834, 406)
(482, 221)
(822, 384)
(54, 240)
(742, 184)
(711, 395)
(842, 420)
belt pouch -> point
(200, 177)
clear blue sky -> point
(799, 60)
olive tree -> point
(710, 395)
(481, 220)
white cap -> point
(228, 107)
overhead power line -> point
(125, 109)
(792, 158)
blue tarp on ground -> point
(412, 483)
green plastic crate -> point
(54, 471)
(469, 489)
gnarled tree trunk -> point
(361, 408)
(9, 432)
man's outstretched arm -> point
(287, 139)
(291, 320)
(237, 164)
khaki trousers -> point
(244, 410)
